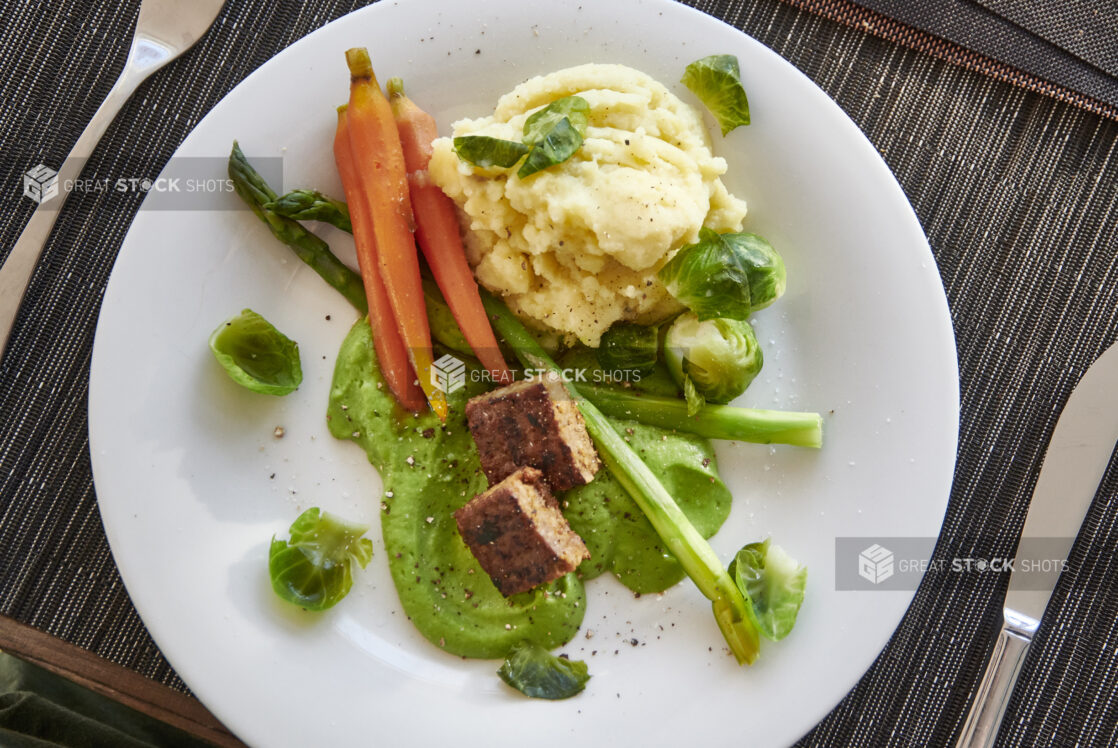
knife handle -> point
(992, 696)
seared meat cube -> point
(532, 423)
(518, 534)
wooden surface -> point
(111, 680)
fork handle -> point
(992, 696)
(15, 273)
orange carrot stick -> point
(391, 352)
(436, 227)
(379, 161)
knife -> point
(1077, 457)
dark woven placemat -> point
(1017, 193)
(995, 28)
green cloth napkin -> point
(39, 709)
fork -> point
(164, 30)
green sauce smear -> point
(430, 469)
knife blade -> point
(1077, 457)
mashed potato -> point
(576, 247)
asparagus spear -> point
(712, 421)
(689, 547)
(252, 188)
(312, 205)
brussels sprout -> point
(718, 357)
(725, 275)
(773, 586)
(763, 265)
(629, 347)
(313, 568)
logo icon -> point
(40, 183)
(875, 564)
(448, 374)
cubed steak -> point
(532, 423)
(518, 534)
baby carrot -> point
(379, 162)
(436, 228)
(391, 352)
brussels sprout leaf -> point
(313, 569)
(695, 401)
(629, 347)
(716, 80)
(725, 275)
(551, 136)
(773, 586)
(482, 150)
(556, 146)
(575, 108)
(257, 355)
(535, 672)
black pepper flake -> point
(706, 461)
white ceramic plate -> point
(192, 483)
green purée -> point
(430, 469)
